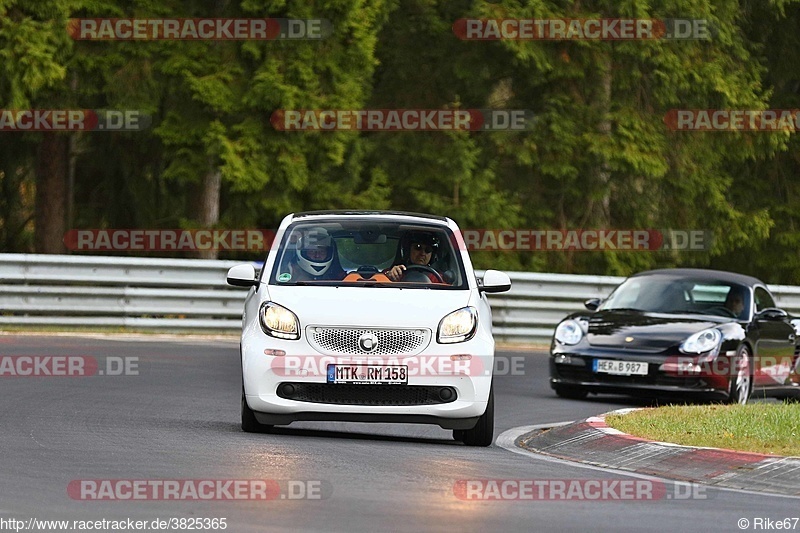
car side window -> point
(763, 299)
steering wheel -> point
(727, 311)
(425, 268)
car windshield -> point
(677, 295)
(359, 252)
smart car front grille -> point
(368, 341)
(344, 394)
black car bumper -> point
(579, 373)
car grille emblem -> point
(368, 342)
(628, 339)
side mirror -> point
(592, 304)
(495, 281)
(772, 313)
(242, 276)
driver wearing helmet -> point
(316, 257)
(420, 249)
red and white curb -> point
(592, 441)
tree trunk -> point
(52, 160)
(12, 217)
(208, 204)
(604, 127)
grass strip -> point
(759, 427)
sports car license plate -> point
(620, 368)
(361, 374)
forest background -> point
(599, 154)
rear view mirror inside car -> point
(369, 237)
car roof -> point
(701, 273)
(348, 212)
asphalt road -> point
(177, 418)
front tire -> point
(249, 422)
(740, 386)
(483, 432)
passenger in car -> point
(316, 258)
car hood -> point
(643, 331)
(369, 306)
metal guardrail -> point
(191, 295)
(164, 294)
(537, 302)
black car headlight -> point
(704, 341)
(569, 332)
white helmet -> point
(313, 240)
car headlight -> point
(569, 332)
(702, 341)
(458, 326)
(279, 322)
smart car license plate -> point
(620, 368)
(361, 374)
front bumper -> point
(578, 371)
(432, 371)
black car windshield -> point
(360, 252)
(659, 294)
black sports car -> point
(683, 332)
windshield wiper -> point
(368, 283)
(323, 283)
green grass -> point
(760, 427)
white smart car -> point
(368, 316)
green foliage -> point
(598, 155)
